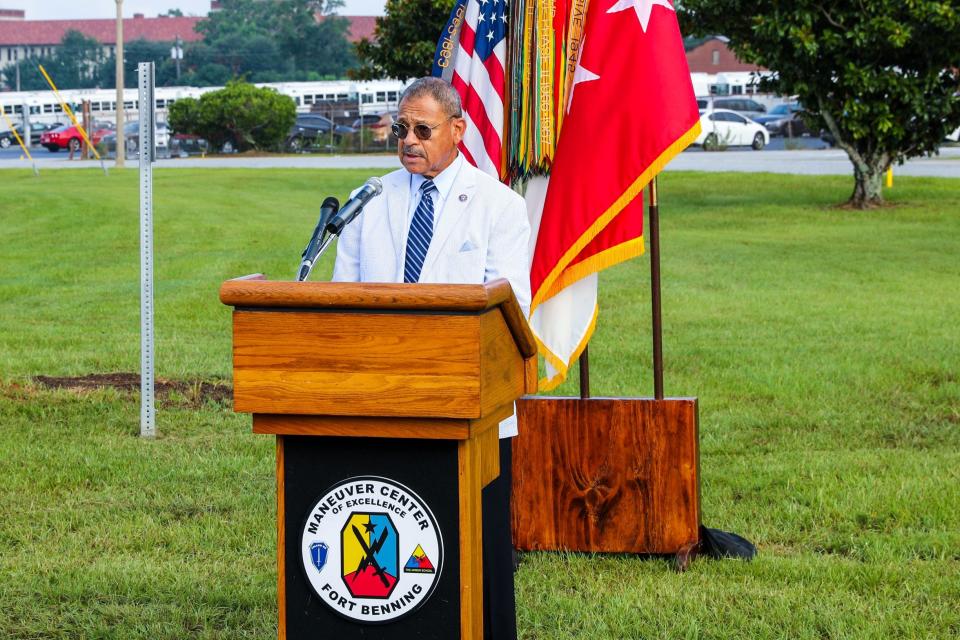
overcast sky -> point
(78, 9)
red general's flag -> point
(631, 109)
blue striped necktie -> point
(421, 232)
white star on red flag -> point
(643, 8)
(580, 74)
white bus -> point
(375, 96)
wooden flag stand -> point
(616, 475)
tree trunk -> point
(868, 168)
(868, 190)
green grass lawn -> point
(824, 346)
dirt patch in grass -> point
(190, 392)
(873, 206)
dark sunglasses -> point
(422, 131)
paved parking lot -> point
(814, 160)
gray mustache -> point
(412, 151)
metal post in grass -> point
(657, 324)
(118, 57)
(585, 374)
(360, 116)
(23, 142)
(654, 211)
(146, 79)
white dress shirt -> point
(443, 182)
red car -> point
(68, 137)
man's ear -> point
(459, 127)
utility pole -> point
(177, 54)
(121, 139)
(18, 73)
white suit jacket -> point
(481, 234)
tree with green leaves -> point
(279, 40)
(200, 68)
(314, 37)
(242, 114)
(879, 75)
(72, 65)
(135, 52)
(183, 116)
(404, 41)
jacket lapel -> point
(398, 200)
(453, 210)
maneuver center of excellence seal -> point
(371, 549)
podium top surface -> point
(437, 351)
(256, 292)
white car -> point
(726, 128)
(162, 136)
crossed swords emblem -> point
(369, 555)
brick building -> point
(713, 55)
(22, 39)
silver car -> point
(131, 136)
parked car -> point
(743, 106)
(131, 136)
(108, 143)
(7, 139)
(827, 137)
(68, 137)
(36, 130)
(778, 112)
(186, 144)
(39, 128)
(791, 126)
(312, 129)
(722, 127)
(379, 124)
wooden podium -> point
(384, 400)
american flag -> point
(479, 78)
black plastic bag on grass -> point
(715, 543)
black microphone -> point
(310, 254)
(354, 206)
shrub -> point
(246, 116)
(183, 115)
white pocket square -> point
(467, 246)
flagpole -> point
(654, 210)
(585, 375)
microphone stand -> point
(307, 265)
(332, 222)
(329, 209)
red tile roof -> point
(361, 27)
(51, 32)
(166, 29)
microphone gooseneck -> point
(316, 245)
(372, 188)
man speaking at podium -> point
(441, 220)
